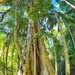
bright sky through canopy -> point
(56, 5)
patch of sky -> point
(4, 8)
(56, 5)
(45, 24)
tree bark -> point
(37, 60)
(70, 34)
(22, 60)
(67, 62)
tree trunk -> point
(7, 49)
(55, 54)
(37, 60)
(20, 71)
(4, 59)
(70, 34)
(12, 59)
(67, 62)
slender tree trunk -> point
(67, 62)
(20, 71)
(55, 63)
(70, 34)
(4, 59)
(56, 72)
(12, 60)
(35, 64)
(7, 49)
(6, 65)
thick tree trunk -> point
(47, 68)
(29, 70)
(37, 60)
(6, 64)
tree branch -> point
(17, 41)
(70, 4)
(4, 13)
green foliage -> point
(41, 8)
(72, 55)
(41, 11)
(73, 61)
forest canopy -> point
(37, 37)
